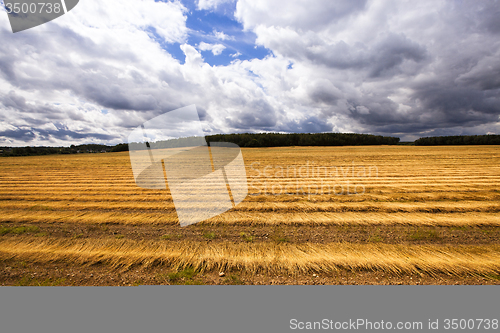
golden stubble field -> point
(314, 215)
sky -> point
(393, 67)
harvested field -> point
(385, 213)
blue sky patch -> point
(205, 26)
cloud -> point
(168, 18)
(254, 114)
(307, 125)
(381, 67)
(64, 134)
(215, 48)
(295, 13)
(484, 75)
(222, 36)
(211, 4)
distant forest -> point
(35, 151)
(459, 140)
(242, 140)
(305, 139)
(265, 140)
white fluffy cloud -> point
(222, 36)
(215, 48)
(211, 4)
(97, 57)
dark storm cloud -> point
(203, 114)
(441, 106)
(308, 125)
(484, 76)
(14, 102)
(7, 68)
(115, 96)
(19, 134)
(331, 11)
(397, 68)
(452, 99)
(383, 59)
(391, 52)
(375, 111)
(257, 114)
(324, 92)
(488, 16)
(62, 132)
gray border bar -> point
(234, 308)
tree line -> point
(37, 151)
(459, 140)
(303, 139)
(264, 140)
(242, 140)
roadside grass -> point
(18, 230)
(245, 237)
(281, 239)
(493, 276)
(171, 237)
(423, 234)
(233, 280)
(375, 238)
(209, 235)
(279, 236)
(182, 277)
(28, 280)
